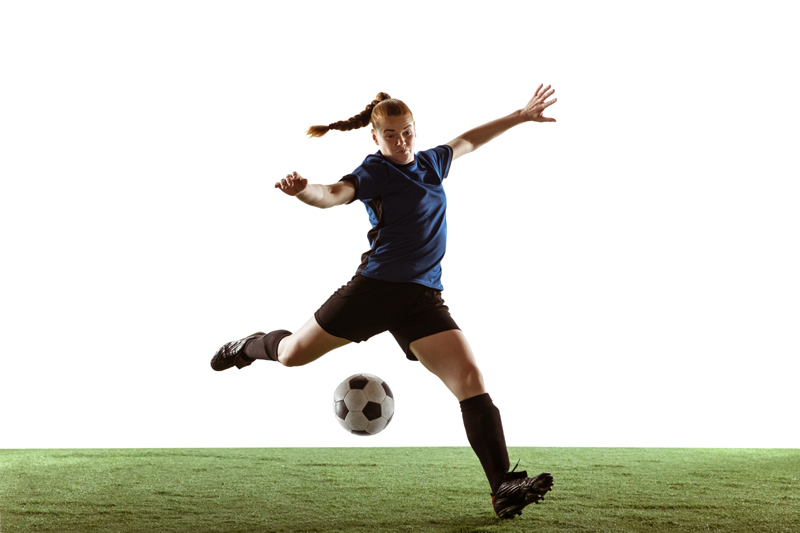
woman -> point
(398, 286)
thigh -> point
(307, 344)
(427, 316)
(447, 354)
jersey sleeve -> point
(367, 187)
(440, 158)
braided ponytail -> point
(364, 118)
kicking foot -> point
(232, 354)
(518, 490)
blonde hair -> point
(383, 106)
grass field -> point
(393, 489)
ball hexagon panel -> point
(374, 392)
(355, 400)
(341, 390)
(356, 421)
(377, 425)
(387, 407)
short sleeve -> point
(366, 185)
(440, 157)
(350, 178)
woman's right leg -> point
(304, 346)
(307, 344)
(354, 311)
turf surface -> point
(393, 489)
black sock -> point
(485, 435)
(266, 347)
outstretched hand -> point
(293, 184)
(534, 109)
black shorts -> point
(366, 306)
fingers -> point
(546, 93)
(542, 93)
(290, 181)
(539, 103)
(286, 182)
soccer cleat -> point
(232, 354)
(518, 490)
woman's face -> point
(396, 137)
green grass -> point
(393, 489)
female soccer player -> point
(398, 286)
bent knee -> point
(291, 357)
(466, 383)
(472, 380)
(295, 354)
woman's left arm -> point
(477, 137)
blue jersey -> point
(406, 206)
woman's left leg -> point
(447, 354)
(449, 357)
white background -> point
(627, 276)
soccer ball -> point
(363, 404)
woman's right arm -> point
(322, 196)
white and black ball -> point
(363, 404)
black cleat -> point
(232, 354)
(518, 490)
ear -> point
(374, 136)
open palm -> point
(534, 109)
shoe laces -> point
(235, 346)
(513, 474)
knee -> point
(473, 378)
(287, 362)
(290, 354)
(470, 383)
(289, 357)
